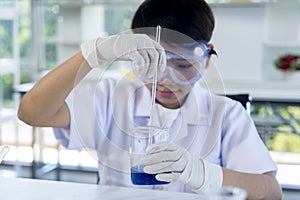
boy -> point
(214, 142)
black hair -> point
(193, 18)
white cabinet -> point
(75, 23)
(249, 37)
(282, 36)
(238, 41)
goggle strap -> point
(209, 50)
(212, 52)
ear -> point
(211, 46)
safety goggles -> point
(183, 68)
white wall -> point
(238, 39)
(248, 39)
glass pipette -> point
(153, 92)
(154, 82)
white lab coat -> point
(211, 127)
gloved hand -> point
(146, 53)
(197, 174)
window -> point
(6, 40)
(278, 124)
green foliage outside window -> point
(51, 53)
(50, 22)
(50, 30)
(6, 44)
(121, 19)
(286, 136)
(285, 142)
(7, 82)
(6, 39)
(24, 33)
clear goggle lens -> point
(183, 69)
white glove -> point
(146, 53)
(199, 175)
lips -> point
(165, 94)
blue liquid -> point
(139, 177)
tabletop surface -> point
(33, 189)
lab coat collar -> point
(195, 110)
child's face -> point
(170, 94)
(182, 72)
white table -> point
(33, 189)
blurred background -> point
(258, 45)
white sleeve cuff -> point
(213, 177)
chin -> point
(167, 103)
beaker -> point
(142, 138)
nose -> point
(164, 77)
